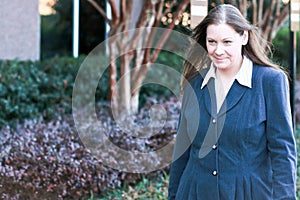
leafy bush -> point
(34, 89)
(168, 60)
(281, 46)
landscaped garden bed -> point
(47, 160)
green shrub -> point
(281, 48)
(168, 60)
(41, 89)
(35, 89)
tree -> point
(149, 16)
(269, 16)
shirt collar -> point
(210, 74)
(244, 76)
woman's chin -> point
(221, 66)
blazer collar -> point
(233, 97)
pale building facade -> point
(19, 30)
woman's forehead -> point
(220, 30)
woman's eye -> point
(211, 41)
(227, 42)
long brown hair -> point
(257, 48)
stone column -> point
(19, 30)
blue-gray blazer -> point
(245, 151)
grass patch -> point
(147, 188)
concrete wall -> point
(19, 30)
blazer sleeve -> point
(280, 137)
(180, 154)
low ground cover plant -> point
(47, 160)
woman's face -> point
(224, 46)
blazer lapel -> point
(210, 97)
(234, 95)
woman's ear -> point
(245, 37)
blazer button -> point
(214, 147)
(215, 173)
(214, 121)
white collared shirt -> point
(244, 77)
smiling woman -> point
(46, 7)
(235, 134)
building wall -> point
(19, 30)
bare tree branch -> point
(137, 38)
(243, 8)
(266, 26)
(254, 15)
(99, 9)
(125, 19)
(123, 13)
(159, 11)
(142, 21)
(164, 37)
(151, 36)
(260, 11)
(284, 14)
(114, 9)
(281, 19)
(277, 14)
(146, 62)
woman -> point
(235, 137)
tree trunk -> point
(113, 90)
(134, 103)
(125, 83)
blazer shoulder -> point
(267, 72)
(267, 77)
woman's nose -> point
(219, 50)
